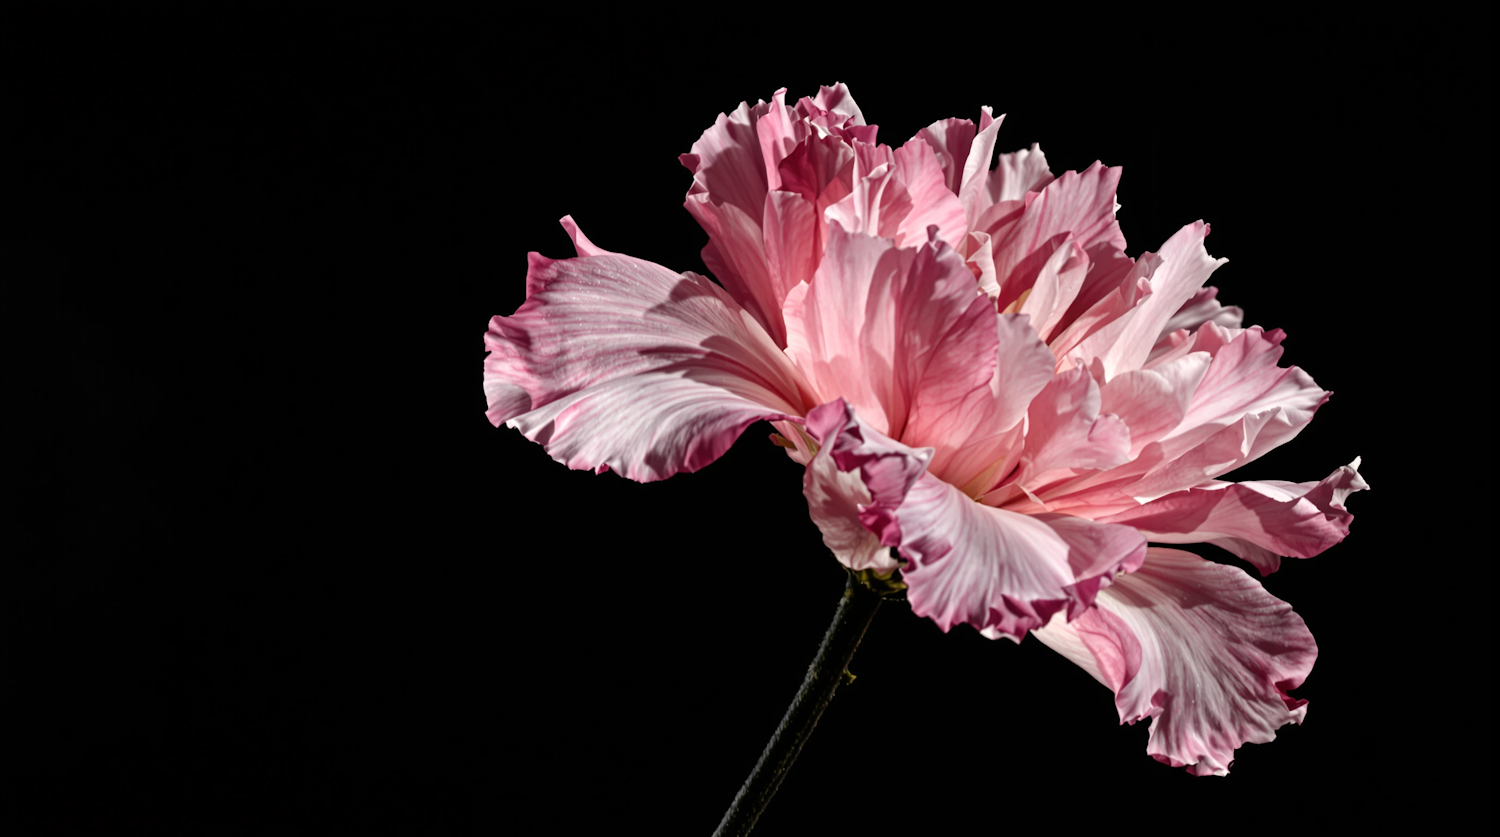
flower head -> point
(974, 373)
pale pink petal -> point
(779, 131)
(970, 429)
(950, 140)
(1201, 649)
(835, 500)
(1065, 429)
(821, 170)
(1153, 402)
(1017, 173)
(972, 190)
(837, 99)
(981, 262)
(899, 333)
(931, 203)
(1055, 286)
(967, 562)
(792, 245)
(614, 363)
(1185, 266)
(1258, 521)
(1079, 338)
(727, 163)
(1202, 308)
(581, 242)
(1244, 380)
(736, 256)
(876, 206)
(1081, 204)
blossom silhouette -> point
(973, 372)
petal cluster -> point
(985, 390)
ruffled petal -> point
(1258, 521)
(1201, 649)
(899, 333)
(736, 256)
(1017, 173)
(972, 190)
(950, 140)
(1204, 307)
(1242, 387)
(1185, 266)
(931, 202)
(1081, 204)
(1056, 284)
(615, 363)
(967, 562)
(1066, 430)
(1153, 402)
(727, 163)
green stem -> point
(828, 670)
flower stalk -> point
(861, 600)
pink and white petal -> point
(792, 247)
(1243, 379)
(826, 332)
(727, 163)
(821, 170)
(887, 469)
(972, 191)
(615, 363)
(1081, 204)
(1164, 471)
(835, 500)
(980, 261)
(876, 206)
(1017, 173)
(967, 420)
(736, 256)
(992, 568)
(1201, 649)
(931, 203)
(970, 563)
(1294, 520)
(779, 131)
(1204, 307)
(1079, 338)
(1152, 402)
(837, 99)
(1055, 286)
(899, 333)
(581, 242)
(950, 139)
(1065, 429)
(1185, 266)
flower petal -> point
(736, 256)
(1242, 381)
(1201, 649)
(1065, 429)
(1296, 520)
(1081, 204)
(1185, 266)
(903, 337)
(931, 202)
(972, 191)
(967, 562)
(617, 363)
(950, 139)
(1017, 173)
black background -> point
(274, 572)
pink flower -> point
(974, 373)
